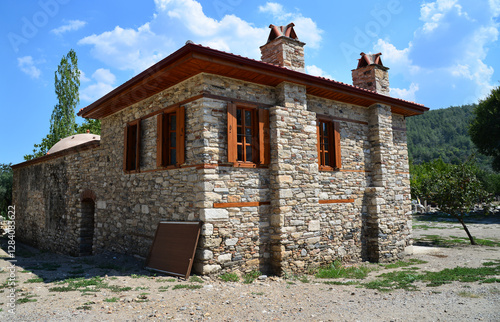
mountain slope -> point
(443, 134)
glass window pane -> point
(173, 141)
(240, 153)
(240, 134)
(248, 118)
(238, 116)
(249, 153)
(173, 155)
(327, 158)
(248, 131)
(173, 122)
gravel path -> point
(266, 299)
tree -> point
(485, 127)
(454, 188)
(62, 121)
(5, 188)
(93, 126)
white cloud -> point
(104, 81)
(316, 71)
(446, 59)
(129, 49)
(405, 93)
(433, 13)
(273, 8)
(71, 25)
(397, 60)
(176, 21)
(27, 66)
(306, 29)
(83, 77)
(495, 7)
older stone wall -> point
(48, 200)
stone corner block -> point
(208, 215)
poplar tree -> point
(62, 121)
(67, 83)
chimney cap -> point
(370, 59)
(282, 31)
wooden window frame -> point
(131, 149)
(334, 154)
(260, 136)
(163, 138)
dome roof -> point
(74, 140)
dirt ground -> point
(115, 288)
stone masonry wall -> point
(285, 52)
(291, 234)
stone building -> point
(285, 170)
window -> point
(132, 146)
(170, 139)
(328, 145)
(248, 135)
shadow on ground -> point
(56, 267)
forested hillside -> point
(443, 134)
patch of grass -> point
(257, 293)
(142, 298)
(303, 279)
(250, 277)
(163, 288)
(187, 286)
(84, 307)
(337, 270)
(111, 300)
(491, 280)
(468, 294)
(394, 280)
(118, 289)
(461, 274)
(229, 277)
(139, 276)
(141, 288)
(340, 283)
(195, 279)
(35, 280)
(169, 280)
(398, 264)
(26, 299)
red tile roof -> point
(193, 59)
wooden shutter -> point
(232, 129)
(336, 135)
(264, 137)
(159, 140)
(138, 147)
(125, 149)
(318, 145)
(181, 134)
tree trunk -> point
(472, 241)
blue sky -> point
(440, 52)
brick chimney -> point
(283, 48)
(371, 74)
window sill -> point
(328, 169)
(244, 165)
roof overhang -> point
(193, 59)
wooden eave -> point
(192, 59)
